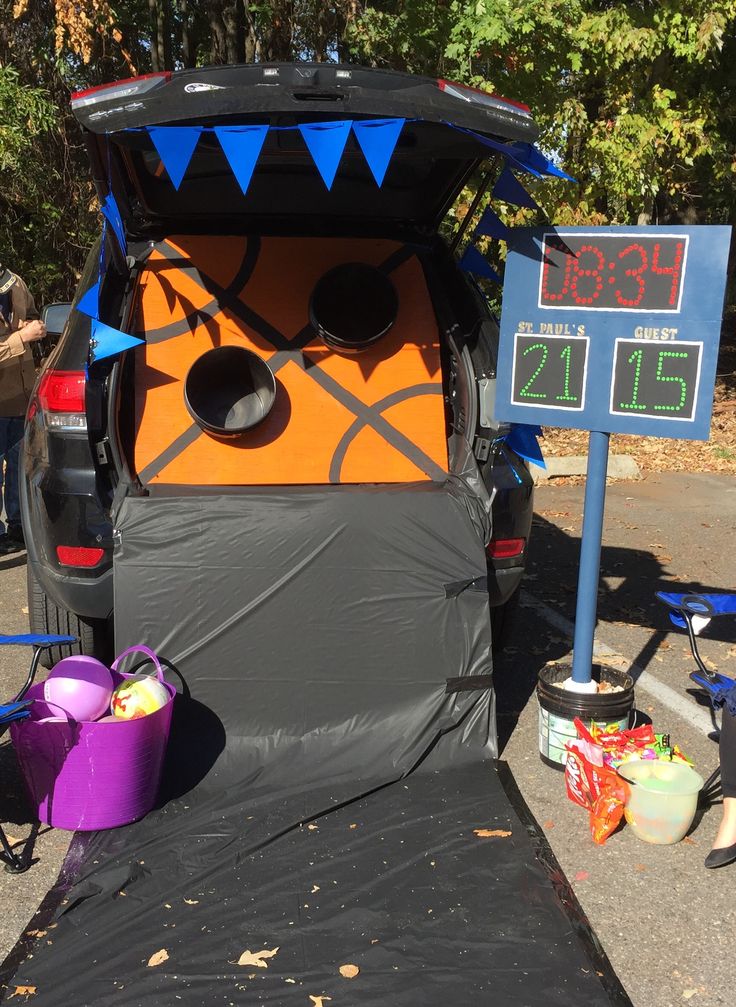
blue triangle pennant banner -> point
(492, 226)
(473, 262)
(509, 152)
(510, 190)
(377, 139)
(523, 440)
(111, 213)
(175, 146)
(530, 156)
(109, 342)
(89, 302)
(242, 146)
(326, 142)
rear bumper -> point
(53, 515)
(503, 583)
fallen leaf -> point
(319, 1001)
(549, 824)
(290, 981)
(582, 876)
(488, 833)
(24, 610)
(690, 841)
(349, 971)
(192, 902)
(640, 867)
(315, 888)
(354, 825)
(36, 933)
(312, 826)
(688, 994)
(23, 991)
(159, 958)
(375, 941)
(256, 958)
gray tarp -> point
(319, 625)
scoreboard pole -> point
(590, 559)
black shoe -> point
(721, 857)
(15, 534)
(10, 545)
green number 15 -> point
(636, 359)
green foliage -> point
(634, 98)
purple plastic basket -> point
(92, 775)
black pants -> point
(728, 754)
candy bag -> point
(608, 808)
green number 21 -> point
(565, 355)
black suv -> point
(198, 256)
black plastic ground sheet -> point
(333, 829)
(398, 884)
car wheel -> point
(46, 617)
(502, 621)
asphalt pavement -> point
(667, 924)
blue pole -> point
(590, 557)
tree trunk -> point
(278, 42)
(188, 47)
(160, 35)
(218, 35)
(232, 18)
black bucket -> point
(558, 708)
(228, 390)
(353, 306)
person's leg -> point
(4, 427)
(12, 475)
(724, 845)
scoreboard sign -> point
(612, 328)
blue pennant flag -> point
(377, 139)
(111, 213)
(523, 440)
(326, 142)
(492, 226)
(509, 151)
(510, 190)
(473, 262)
(175, 146)
(242, 147)
(530, 156)
(89, 302)
(109, 342)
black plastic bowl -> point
(228, 390)
(353, 306)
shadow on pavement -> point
(630, 578)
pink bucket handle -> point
(67, 716)
(141, 649)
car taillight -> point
(131, 86)
(505, 548)
(61, 397)
(79, 555)
(474, 94)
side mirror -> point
(54, 317)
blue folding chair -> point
(685, 611)
(18, 709)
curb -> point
(619, 467)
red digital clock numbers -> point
(613, 272)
